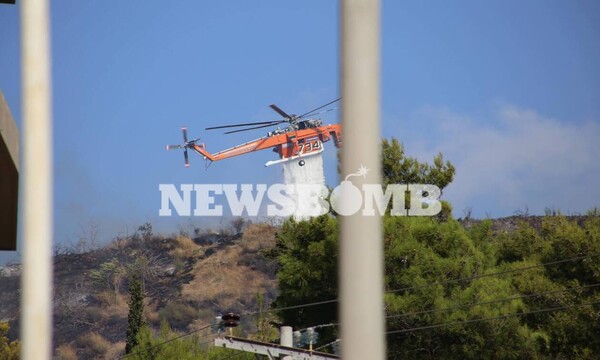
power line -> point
(489, 318)
(469, 278)
(424, 312)
(492, 301)
(328, 344)
(290, 307)
(475, 304)
(313, 327)
(318, 326)
(168, 341)
(474, 277)
(409, 289)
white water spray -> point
(311, 173)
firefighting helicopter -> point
(302, 137)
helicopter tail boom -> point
(202, 151)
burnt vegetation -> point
(186, 279)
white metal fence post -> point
(36, 201)
(361, 245)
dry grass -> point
(178, 315)
(203, 318)
(150, 312)
(91, 314)
(257, 237)
(185, 248)
(220, 279)
(116, 351)
(120, 243)
(107, 297)
(117, 306)
(94, 345)
(186, 244)
(65, 352)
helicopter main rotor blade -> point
(320, 107)
(272, 122)
(185, 156)
(169, 147)
(317, 113)
(252, 128)
(280, 112)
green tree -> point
(307, 254)
(574, 331)
(521, 243)
(150, 347)
(9, 350)
(422, 251)
(170, 345)
(425, 256)
(307, 250)
(136, 311)
(265, 331)
(397, 168)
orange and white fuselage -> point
(290, 145)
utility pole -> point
(361, 245)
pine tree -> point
(136, 310)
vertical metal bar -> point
(36, 211)
(361, 245)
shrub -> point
(178, 315)
(8, 350)
(257, 237)
(66, 352)
(93, 344)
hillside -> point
(187, 281)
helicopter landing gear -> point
(301, 163)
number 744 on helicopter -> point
(303, 136)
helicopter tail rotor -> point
(186, 144)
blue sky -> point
(509, 91)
